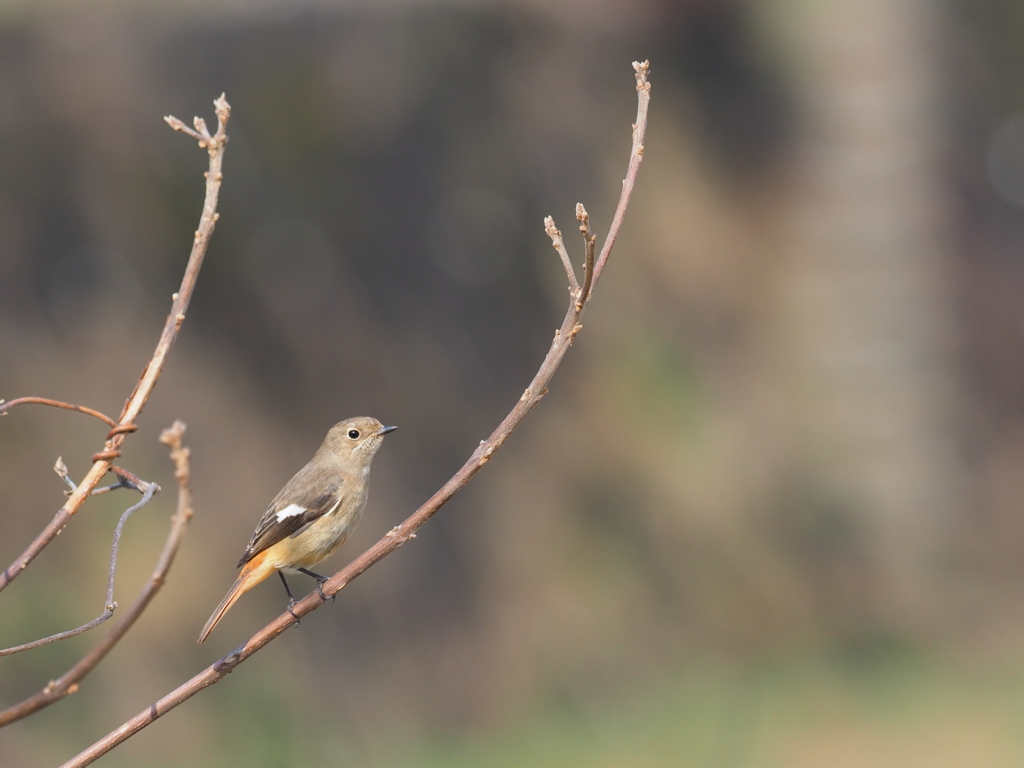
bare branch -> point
(102, 460)
(68, 682)
(5, 406)
(109, 605)
(636, 156)
(402, 533)
(556, 240)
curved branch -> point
(68, 682)
(147, 381)
(400, 534)
(6, 405)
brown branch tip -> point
(172, 437)
(642, 68)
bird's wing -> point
(297, 505)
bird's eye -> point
(353, 434)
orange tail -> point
(253, 572)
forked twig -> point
(125, 479)
(102, 461)
(68, 682)
(400, 534)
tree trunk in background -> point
(864, 320)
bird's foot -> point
(320, 579)
(320, 589)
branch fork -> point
(201, 133)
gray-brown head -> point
(355, 441)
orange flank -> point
(253, 572)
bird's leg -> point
(319, 583)
(291, 598)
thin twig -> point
(107, 489)
(125, 479)
(400, 534)
(588, 244)
(109, 605)
(62, 472)
(556, 240)
(102, 461)
(6, 405)
(636, 156)
(68, 682)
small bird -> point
(312, 515)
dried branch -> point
(151, 489)
(400, 534)
(6, 405)
(102, 460)
(68, 682)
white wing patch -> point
(289, 511)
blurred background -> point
(770, 513)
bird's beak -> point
(384, 430)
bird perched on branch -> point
(312, 515)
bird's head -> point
(356, 440)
